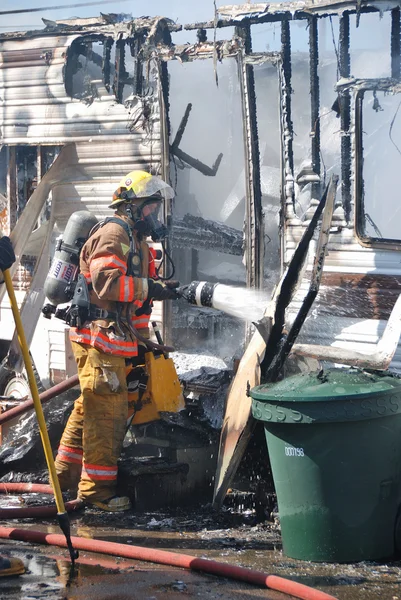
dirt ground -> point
(227, 537)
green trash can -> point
(334, 441)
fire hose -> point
(185, 561)
(44, 397)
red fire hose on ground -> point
(139, 553)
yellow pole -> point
(61, 512)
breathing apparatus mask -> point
(147, 218)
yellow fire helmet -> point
(139, 185)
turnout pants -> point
(92, 440)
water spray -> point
(243, 303)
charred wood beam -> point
(181, 128)
(121, 74)
(384, 84)
(207, 50)
(259, 58)
(196, 232)
(315, 102)
(201, 35)
(395, 44)
(136, 47)
(254, 225)
(287, 130)
(194, 263)
(197, 164)
(106, 67)
(271, 329)
(165, 129)
(287, 341)
(220, 23)
(287, 10)
(345, 114)
(106, 22)
(360, 222)
(199, 51)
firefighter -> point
(120, 273)
(8, 566)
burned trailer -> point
(248, 130)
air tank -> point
(59, 286)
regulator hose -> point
(280, 584)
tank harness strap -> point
(72, 250)
(96, 313)
(135, 257)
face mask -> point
(149, 224)
(157, 230)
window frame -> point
(359, 220)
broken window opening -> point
(98, 66)
(266, 37)
(207, 226)
(378, 148)
(84, 78)
(370, 45)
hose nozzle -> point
(199, 293)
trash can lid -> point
(329, 384)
